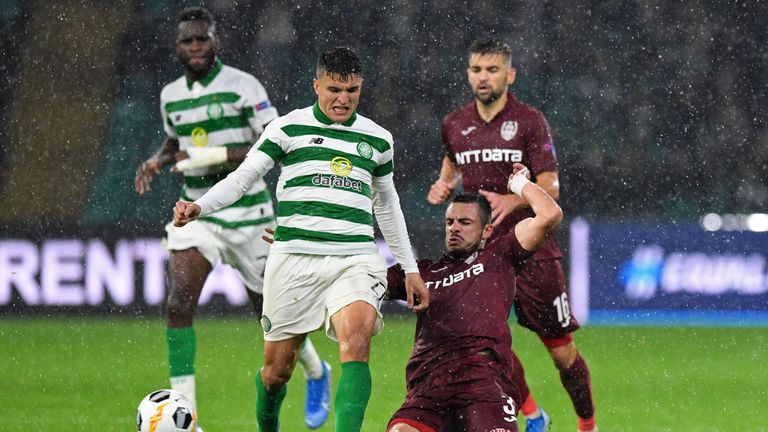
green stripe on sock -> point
(352, 396)
(268, 406)
(181, 351)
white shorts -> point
(301, 292)
(241, 248)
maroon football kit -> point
(459, 373)
(484, 153)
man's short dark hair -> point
(195, 13)
(491, 45)
(482, 204)
(339, 62)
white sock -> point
(310, 361)
(185, 384)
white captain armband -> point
(202, 157)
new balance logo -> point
(468, 130)
(316, 140)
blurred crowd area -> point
(657, 108)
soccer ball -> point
(165, 411)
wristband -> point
(517, 183)
(202, 157)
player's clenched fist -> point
(440, 191)
(185, 212)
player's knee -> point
(564, 356)
(275, 377)
(179, 311)
(355, 347)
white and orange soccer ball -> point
(165, 411)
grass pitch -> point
(66, 374)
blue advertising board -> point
(673, 274)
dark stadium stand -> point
(133, 135)
(657, 110)
(13, 20)
(62, 97)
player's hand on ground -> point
(501, 205)
(269, 237)
(185, 212)
(416, 293)
(440, 191)
(144, 175)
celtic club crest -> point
(364, 149)
(215, 111)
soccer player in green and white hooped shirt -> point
(212, 115)
(323, 268)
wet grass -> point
(68, 374)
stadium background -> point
(657, 111)
(657, 108)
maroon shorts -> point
(541, 300)
(485, 402)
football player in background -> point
(483, 140)
(212, 115)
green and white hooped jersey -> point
(328, 175)
(229, 108)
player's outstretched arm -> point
(236, 184)
(386, 207)
(146, 172)
(185, 212)
(532, 232)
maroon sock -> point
(518, 377)
(576, 381)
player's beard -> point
(490, 98)
(461, 253)
(199, 72)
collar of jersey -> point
(507, 107)
(217, 65)
(322, 118)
